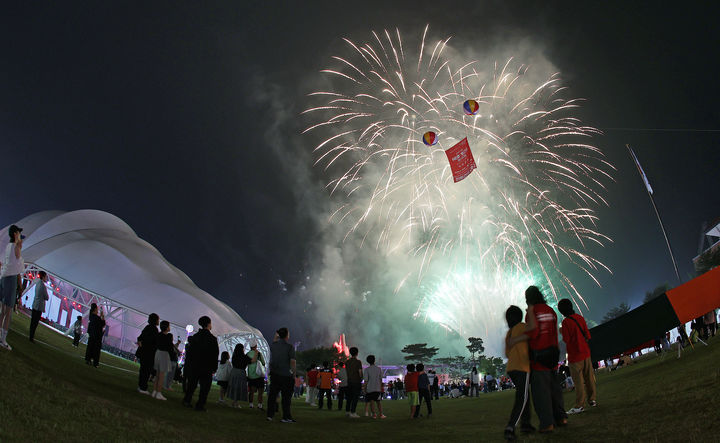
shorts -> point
(413, 398)
(223, 383)
(256, 383)
(8, 290)
(372, 396)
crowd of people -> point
(533, 353)
(531, 347)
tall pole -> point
(652, 200)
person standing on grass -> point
(38, 306)
(147, 345)
(372, 375)
(201, 361)
(542, 339)
(96, 324)
(576, 335)
(223, 374)
(312, 392)
(355, 376)
(342, 385)
(10, 269)
(77, 331)
(474, 382)
(162, 362)
(518, 369)
(237, 385)
(411, 389)
(170, 376)
(324, 384)
(282, 374)
(436, 385)
(423, 390)
(256, 381)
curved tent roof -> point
(99, 252)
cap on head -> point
(252, 344)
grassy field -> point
(49, 393)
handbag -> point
(547, 357)
(259, 369)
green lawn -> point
(49, 393)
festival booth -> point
(91, 256)
(653, 319)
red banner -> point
(461, 160)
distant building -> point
(709, 248)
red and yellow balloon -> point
(430, 138)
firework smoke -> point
(455, 254)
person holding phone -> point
(12, 267)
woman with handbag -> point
(256, 374)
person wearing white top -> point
(38, 306)
(12, 267)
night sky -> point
(185, 122)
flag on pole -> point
(640, 170)
(461, 160)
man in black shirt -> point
(282, 375)
(201, 361)
(96, 323)
(147, 345)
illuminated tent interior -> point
(92, 256)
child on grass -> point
(223, 374)
(373, 388)
(324, 384)
(411, 389)
(518, 368)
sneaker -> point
(287, 420)
(547, 429)
(159, 396)
(268, 418)
(593, 403)
(260, 406)
(575, 411)
(367, 414)
(5, 346)
(509, 434)
(528, 428)
(354, 415)
(142, 391)
(383, 416)
(251, 406)
(221, 401)
(374, 416)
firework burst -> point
(467, 249)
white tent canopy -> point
(99, 253)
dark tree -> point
(616, 312)
(455, 366)
(419, 352)
(658, 291)
(475, 347)
(707, 261)
(318, 356)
